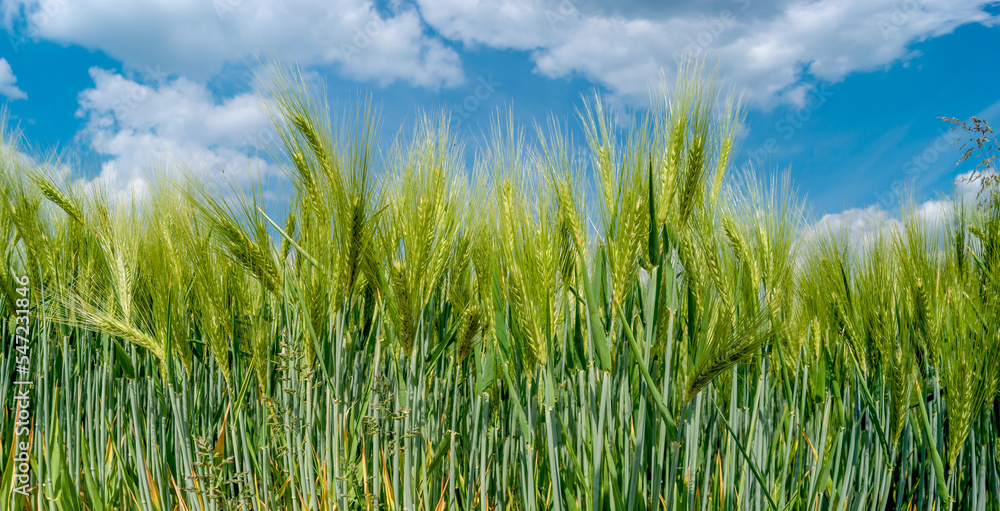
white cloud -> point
(768, 49)
(861, 226)
(142, 129)
(772, 48)
(935, 212)
(8, 81)
(969, 184)
(197, 37)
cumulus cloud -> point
(770, 48)
(8, 81)
(140, 129)
(861, 226)
(196, 38)
(969, 184)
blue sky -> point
(845, 95)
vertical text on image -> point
(23, 386)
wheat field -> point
(632, 323)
